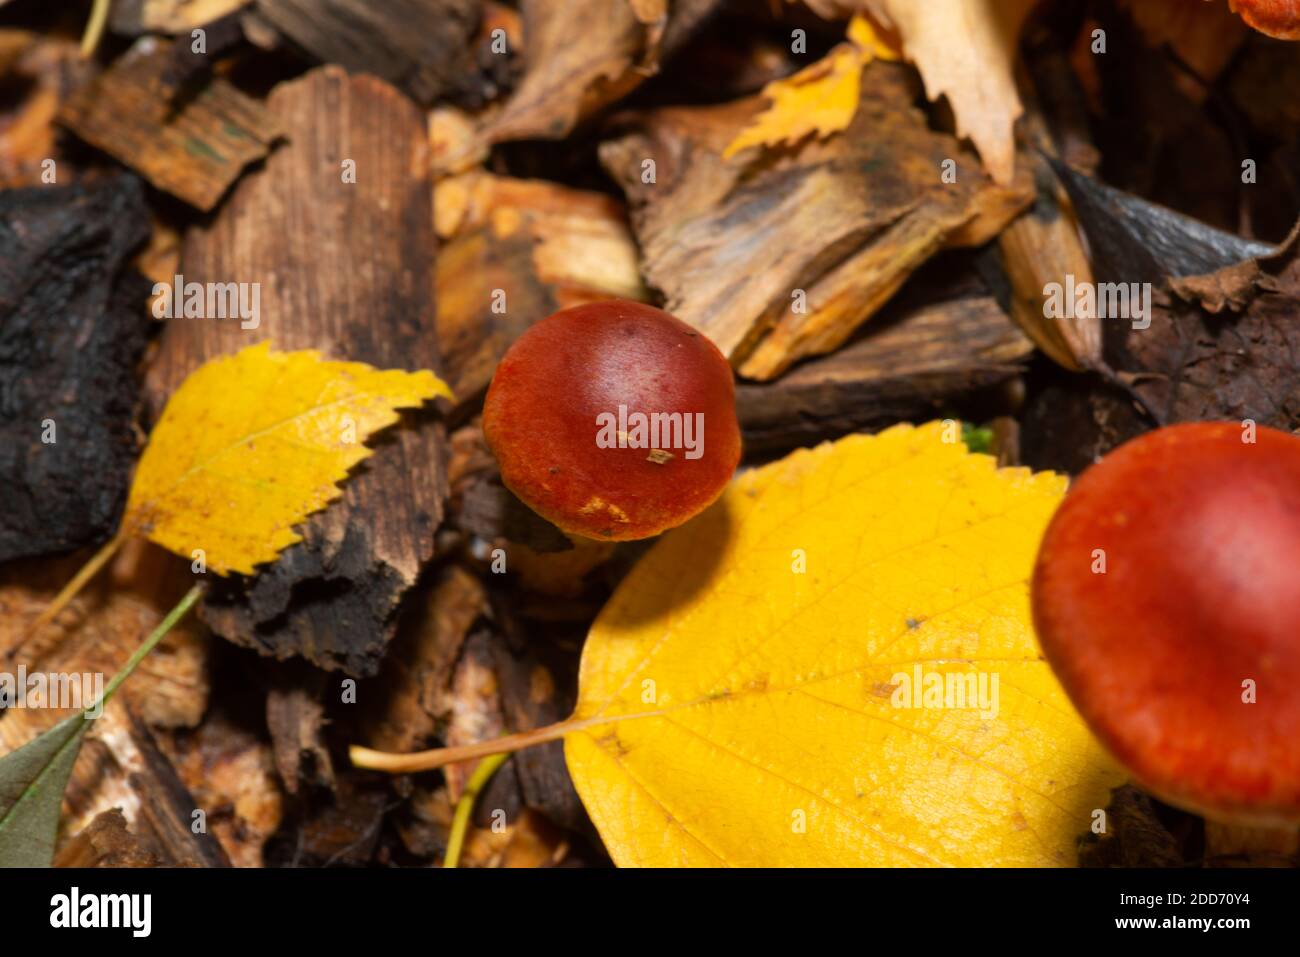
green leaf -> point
(32, 782)
(978, 440)
(34, 777)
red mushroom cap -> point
(1277, 18)
(583, 376)
(1199, 532)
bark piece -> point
(421, 46)
(295, 716)
(1070, 423)
(341, 830)
(190, 143)
(1042, 247)
(567, 81)
(108, 842)
(1225, 346)
(1222, 341)
(1134, 240)
(344, 268)
(229, 769)
(417, 673)
(1135, 835)
(909, 363)
(477, 715)
(122, 766)
(537, 688)
(492, 512)
(836, 226)
(72, 330)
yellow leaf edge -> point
(424, 386)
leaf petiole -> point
(465, 806)
(94, 28)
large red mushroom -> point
(1166, 597)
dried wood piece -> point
(122, 766)
(910, 364)
(477, 715)
(192, 144)
(567, 80)
(295, 716)
(421, 46)
(166, 805)
(344, 268)
(518, 250)
(1070, 423)
(488, 509)
(340, 831)
(108, 842)
(1135, 836)
(229, 769)
(538, 687)
(1221, 341)
(1225, 346)
(417, 673)
(843, 222)
(72, 330)
(1042, 247)
(1134, 240)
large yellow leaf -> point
(820, 99)
(253, 443)
(733, 710)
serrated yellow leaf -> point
(734, 710)
(820, 99)
(253, 443)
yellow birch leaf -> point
(253, 443)
(820, 99)
(735, 710)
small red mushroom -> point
(613, 420)
(1277, 18)
(1166, 597)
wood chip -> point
(193, 145)
(421, 46)
(344, 268)
(837, 226)
(910, 366)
